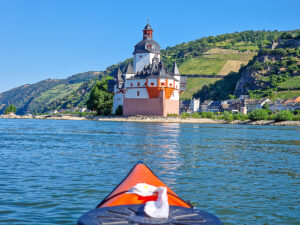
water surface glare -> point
(51, 172)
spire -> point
(119, 76)
(175, 70)
(148, 31)
(129, 69)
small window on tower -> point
(162, 84)
(152, 84)
(140, 56)
(149, 46)
(138, 83)
(170, 85)
(131, 84)
(138, 93)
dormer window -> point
(149, 46)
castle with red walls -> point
(147, 87)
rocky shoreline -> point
(151, 119)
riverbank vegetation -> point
(100, 99)
(259, 114)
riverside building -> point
(147, 87)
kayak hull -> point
(134, 214)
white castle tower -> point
(148, 88)
(145, 50)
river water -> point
(51, 172)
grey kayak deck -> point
(134, 215)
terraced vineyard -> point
(287, 94)
(195, 84)
(291, 83)
(215, 61)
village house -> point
(215, 106)
(204, 106)
(253, 104)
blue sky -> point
(42, 39)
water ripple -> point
(52, 172)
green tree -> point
(10, 109)
(100, 100)
(259, 114)
(283, 116)
(266, 107)
(286, 35)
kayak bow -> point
(120, 207)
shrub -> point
(283, 116)
(259, 114)
(240, 116)
(185, 115)
(172, 114)
(271, 117)
(81, 114)
(195, 115)
(10, 109)
(227, 116)
(119, 110)
(209, 115)
(296, 118)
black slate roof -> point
(147, 46)
(154, 70)
(148, 27)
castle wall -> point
(117, 100)
(170, 107)
(136, 93)
(140, 60)
(150, 106)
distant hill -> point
(273, 73)
(217, 56)
(35, 97)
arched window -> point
(138, 93)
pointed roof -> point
(119, 76)
(129, 69)
(148, 27)
(175, 70)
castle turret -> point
(129, 71)
(120, 79)
(176, 72)
(177, 76)
(145, 50)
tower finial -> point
(147, 20)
